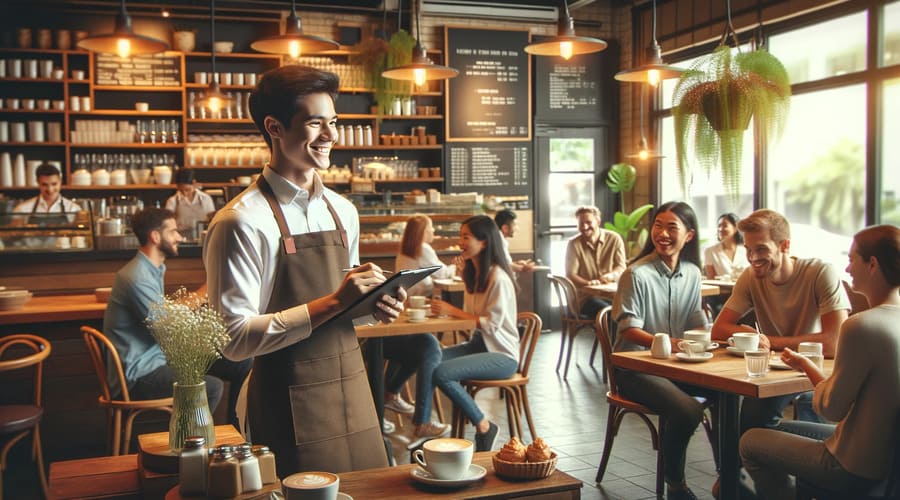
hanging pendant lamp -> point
(565, 43)
(644, 152)
(123, 41)
(293, 42)
(213, 99)
(653, 71)
(420, 69)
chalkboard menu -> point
(574, 91)
(498, 168)
(138, 71)
(490, 100)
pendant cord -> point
(212, 37)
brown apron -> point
(187, 215)
(311, 402)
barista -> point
(49, 201)
(190, 204)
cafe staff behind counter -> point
(190, 204)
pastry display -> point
(538, 451)
(513, 451)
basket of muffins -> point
(517, 461)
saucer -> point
(343, 496)
(712, 346)
(706, 356)
(410, 320)
(734, 351)
(474, 473)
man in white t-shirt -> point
(48, 201)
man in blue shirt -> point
(139, 284)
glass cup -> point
(757, 362)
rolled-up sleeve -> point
(628, 305)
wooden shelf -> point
(364, 90)
(225, 167)
(137, 88)
(123, 112)
(353, 116)
(234, 55)
(19, 144)
(146, 187)
(132, 145)
(389, 148)
(221, 86)
(219, 120)
(10, 79)
(33, 111)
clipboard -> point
(365, 305)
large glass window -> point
(823, 50)
(890, 53)
(890, 154)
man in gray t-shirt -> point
(795, 300)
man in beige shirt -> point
(593, 257)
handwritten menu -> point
(500, 168)
(490, 100)
(138, 71)
(574, 91)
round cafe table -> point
(268, 491)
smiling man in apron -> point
(189, 204)
(49, 204)
(274, 258)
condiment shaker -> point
(192, 464)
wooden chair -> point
(17, 420)
(619, 406)
(98, 346)
(572, 320)
(514, 388)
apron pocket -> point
(332, 409)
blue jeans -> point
(470, 361)
(419, 354)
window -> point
(823, 50)
(890, 54)
(890, 155)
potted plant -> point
(714, 101)
(620, 179)
(375, 55)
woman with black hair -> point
(726, 256)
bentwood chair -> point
(103, 351)
(515, 388)
(21, 351)
(572, 321)
(619, 406)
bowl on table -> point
(14, 299)
(223, 47)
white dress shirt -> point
(241, 255)
(42, 207)
(201, 199)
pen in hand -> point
(348, 269)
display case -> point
(43, 232)
(382, 224)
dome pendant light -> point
(654, 70)
(213, 99)
(565, 43)
(123, 41)
(420, 69)
(293, 42)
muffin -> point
(538, 451)
(512, 451)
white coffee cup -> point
(701, 336)
(77, 74)
(692, 347)
(445, 458)
(417, 301)
(416, 314)
(744, 341)
(142, 107)
(311, 486)
(200, 77)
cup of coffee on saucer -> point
(699, 336)
(445, 458)
(416, 315)
(692, 348)
(417, 301)
(744, 341)
(311, 486)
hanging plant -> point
(376, 55)
(714, 101)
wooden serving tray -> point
(156, 456)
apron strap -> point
(286, 238)
(337, 221)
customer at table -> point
(862, 394)
(795, 300)
(137, 286)
(490, 300)
(48, 201)
(660, 292)
(593, 257)
(416, 354)
(275, 258)
(506, 222)
(191, 205)
(726, 258)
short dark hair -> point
(184, 176)
(774, 223)
(45, 170)
(882, 243)
(278, 92)
(587, 209)
(504, 217)
(148, 220)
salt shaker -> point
(251, 480)
(224, 478)
(266, 464)
(192, 464)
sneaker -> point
(685, 494)
(432, 430)
(485, 441)
(400, 405)
(388, 427)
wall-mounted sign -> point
(498, 168)
(138, 71)
(490, 100)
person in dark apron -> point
(189, 204)
(42, 208)
(275, 259)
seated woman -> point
(862, 394)
(419, 354)
(490, 300)
(726, 257)
(660, 292)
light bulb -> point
(643, 154)
(123, 47)
(653, 77)
(215, 104)
(419, 76)
(294, 49)
(565, 50)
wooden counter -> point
(55, 308)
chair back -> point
(565, 295)
(24, 350)
(528, 341)
(98, 345)
(601, 326)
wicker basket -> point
(524, 470)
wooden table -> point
(397, 483)
(55, 308)
(728, 375)
(725, 286)
(607, 291)
(449, 285)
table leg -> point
(375, 362)
(729, 437)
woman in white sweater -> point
(416, 252)
(862, 394)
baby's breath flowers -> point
(189, 332)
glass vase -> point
(190, 415)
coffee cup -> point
(744, 341)
(244, 180)
(445, 458)
(77, 74)
(417, 301)
(311, 486)
(142, 107)
(416, 314)
(701, 336)
(691, 347)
